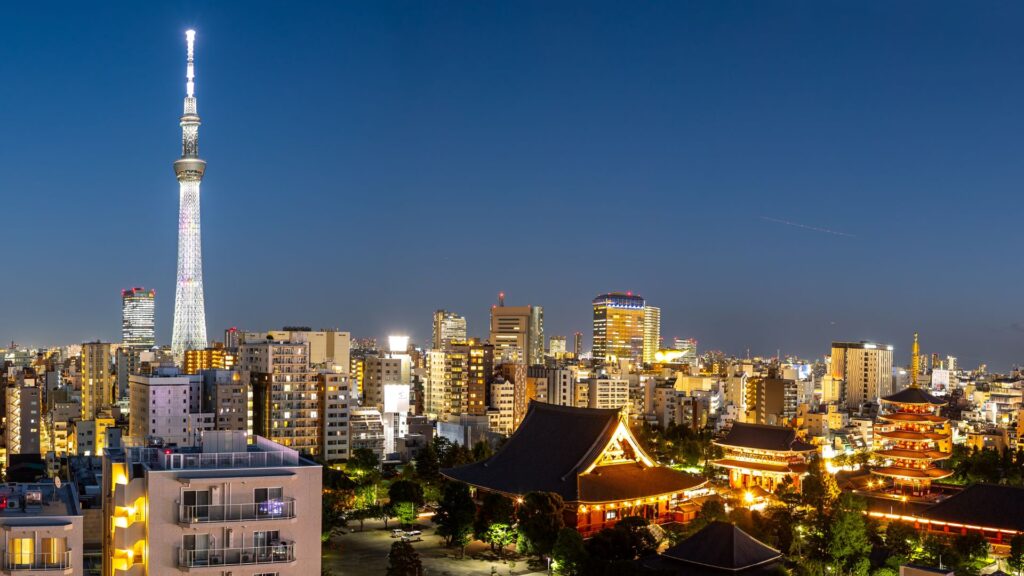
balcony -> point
(276, 509)
(15, 563)
(279, 553)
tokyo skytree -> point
(189, 308)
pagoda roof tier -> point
(913, 473)
(911, 436)
(780, 468)
(914, 395)
(764, 437)
(913, 454)
(912, 417)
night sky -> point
(774, 175)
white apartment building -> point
(335, 402)
(42, 529)
(161, 405)
(236, 504)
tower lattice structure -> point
(189, 307)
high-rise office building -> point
(448, 327)
(652, 333)
(577, 344)
(235, 504)
(519, 327)
(556, 346)
(97, 380)
(619, 327)
(189, 305)
(137, 317)
(866, 369)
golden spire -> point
(915, 362)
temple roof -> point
(553, 448)
(780, 467)
(914, 395)
(985, 505)
(632, 481)
(722, 546)
(764, 437)
(917, 473)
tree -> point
(406, 491)
(363, 462)
(482, 451)
(819, 488)
(1015, 560)
(383, 513)
(902, 539)
(360, 515)
(428, 467)
(404, 560)
(712, 510)
(455, 514)
(333, 515)
(494, 509)
(848, 542)
(971, 546)
(499, 535)
(540, 519)
(641, 541)
(568, 554)
(405, 512)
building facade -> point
(138, 324)
(618, 327)
(448, 327)
(866, 370)
(234, 504)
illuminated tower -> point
(189, 309)
(915, 361)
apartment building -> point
(42, 529)
(235, 504)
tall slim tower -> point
(189, 308)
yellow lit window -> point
(22, 551)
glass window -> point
(22, 551)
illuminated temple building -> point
(911, 436)
(591, 459)
(763, 456)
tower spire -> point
(189, 306)
(915, 362)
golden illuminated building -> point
(208, 359)
(912, 436)
(619, 327)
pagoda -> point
(912, 436)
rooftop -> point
(764, 437)
(37, 500)
(719, 547)
(552, 449)
(219, 450)
(987, 505)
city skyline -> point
(808, 247)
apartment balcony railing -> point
(279, 553)
(276, 509)
(17, 562)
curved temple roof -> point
(554, 450)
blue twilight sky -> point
(372, 161)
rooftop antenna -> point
(501, 299)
